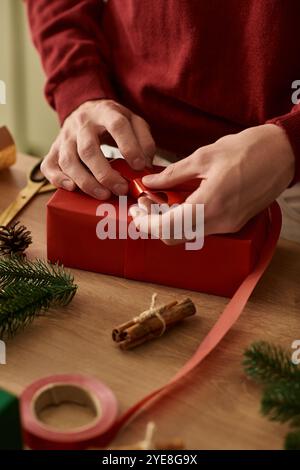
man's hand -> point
(75, 158)
(240, 174)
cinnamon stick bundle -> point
(152, 323)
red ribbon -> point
(137, 188)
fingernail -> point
(101, 193)
(148, 179)
(138, 163)
(120, 188)
(68, 185)
(134, 212)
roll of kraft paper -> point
(106, 425)
(55, 390)
(8, 153)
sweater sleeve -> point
(67, 34)
(290, 123)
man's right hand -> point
(75, 158)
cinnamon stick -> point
(151, 324)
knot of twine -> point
(148, 443)
(152, 312)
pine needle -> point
(271, 366)
(281, 402)
(28, 289)
(266, 363)
(16, 268)
(292, 441)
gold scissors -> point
(36, 183)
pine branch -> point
(17, 311)
(30, 288)
(268, 364)
(292, 441)
(38, 272)
(281, 402)
(271, 366)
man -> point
(212, 79)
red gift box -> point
(218, 268)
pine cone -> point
(14, 239)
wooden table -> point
(218, 408)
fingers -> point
(173, 174)
(89, 151)
(220, 216)
(70, 165)
(145, 204)
(76, 158)
(146, 221)
(144, 137)
(119, 127)
(53, 173)
(179, 224)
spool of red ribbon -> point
(57, 389)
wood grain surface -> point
(216, 407)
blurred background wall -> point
(26, 113)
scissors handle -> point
(21, 200)
(47, 188)
(36, 176)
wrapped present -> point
(10, 436)
(218, 268)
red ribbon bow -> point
(177, 195)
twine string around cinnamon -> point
(144, 316)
